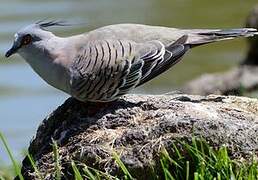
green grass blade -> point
(196, 176)
(122, 166)
(32, 162)
(187, 170)
(169, 176)
(166, 172)
(166, 155)
(76, 171)
(211, 152)
(177, 151)
(253, 171)
(1, 178)
(88, 173)
(218, 176)
(101, 174)
(15, 165)
(57, 161)
(163, 168)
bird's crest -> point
(44, 24)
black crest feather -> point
(45, 24)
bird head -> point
(31, 35)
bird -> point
(106, 63)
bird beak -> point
(11, 51)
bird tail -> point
(199, 37)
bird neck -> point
(45, 58)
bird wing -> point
(107, 69)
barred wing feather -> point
(107, 69)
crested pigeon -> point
(106, 63)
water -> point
(25, 99)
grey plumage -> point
(108, 62)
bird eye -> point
(26, 39)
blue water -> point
(26, 103)
(25, 99)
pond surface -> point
(25, 99)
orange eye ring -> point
(26, 39)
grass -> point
(57, 161)
(14, 163)
(196, 161)
(6, 172)
(33, 164)
(127, 175)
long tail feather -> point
(209, 36)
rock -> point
(239, 80)
(137, 127)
